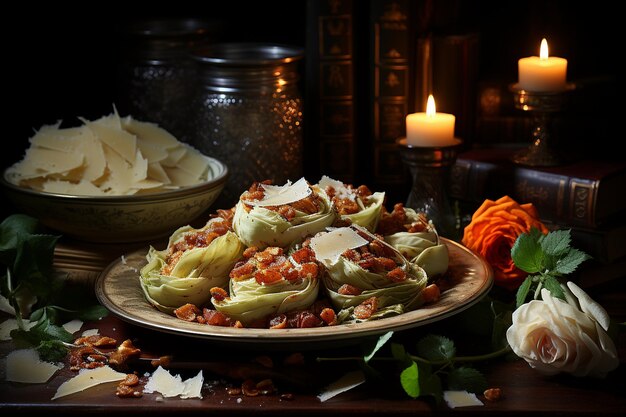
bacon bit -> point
(264, 360)
(219, 294)
(278, 322)
(294, 359)
(493, 394)
(249, 389)
(329, 316)
(95, 340)
(125, 391)
(105, 341)
(309, 205)
(215, 318)
(130, 381)
(238, 325)
(249, 252)
(303, 255)
(286, 211)
(232, 391)
(124, 352)
(265, 387)
(163, 361)
(267, 276)
(346, 206)
(430, 294)
(366, 308)
(347, 289)
(385, 263)
(304, 320)
(242, 270)
(309, 270)
(187, 312)
(363, 192)
(397, 275)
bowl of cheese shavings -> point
(113, 180)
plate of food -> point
(306, 264)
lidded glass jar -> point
(156, 72)
(247, 112)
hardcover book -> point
(586, 193)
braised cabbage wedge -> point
(355, 205)
(268, 283)
(268, 215)
(183, 272)
(365, 277)
(415, 238)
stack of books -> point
(587, 196)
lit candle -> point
(431, 128)
(542, 73)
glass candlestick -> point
(430, 171)
(542, 106)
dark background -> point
(60, 62)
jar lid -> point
(245, 54)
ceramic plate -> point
(118, 289)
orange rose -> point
(494, 229)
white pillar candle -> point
(430, 129)
(542, 73)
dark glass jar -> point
(156, 72)
(247, 112)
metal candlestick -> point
(430, 169)
(542, 106)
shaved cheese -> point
(25, 366)
(343, 384)
(341, 190)
(172, 386)
(278, 195)
(90, 332)
(88, 378)
(163, 382)
(151, 133)
(109, 156)
(328, 247)
(456, 399)
(53, 161)
(193, 387)
(11, 324)
(73, 326)
(122, 142)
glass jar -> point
(247, 112)
(155, 75)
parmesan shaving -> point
(172, 386)
(88, 378)
(73, 326)
(25, 366)
(328, 247)
(341, 190)
(343, 384)
(108, 156)
(278, 195)
(456, 399)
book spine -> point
(330, 114)
(559, 199)
(391, 84)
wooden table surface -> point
(525, 391)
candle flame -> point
(431, 110)
(543, 49)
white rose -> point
(555, 336)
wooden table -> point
(525, 391)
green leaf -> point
(436, 348)
(554, 286)
(430, 383)
(92, 313)
(556, 243)
(11, 231)
(571, 261)
(399, 353)
(522, 292)
(379, 343)
(527, 254)
(52, 351)
(501, 323)
(33, 263)
(466, 378)
(409, 378)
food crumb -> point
(493, 394)
(239, 400)
(159, 399)
(123, 259)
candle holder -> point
(542, 106)
(430, 171)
